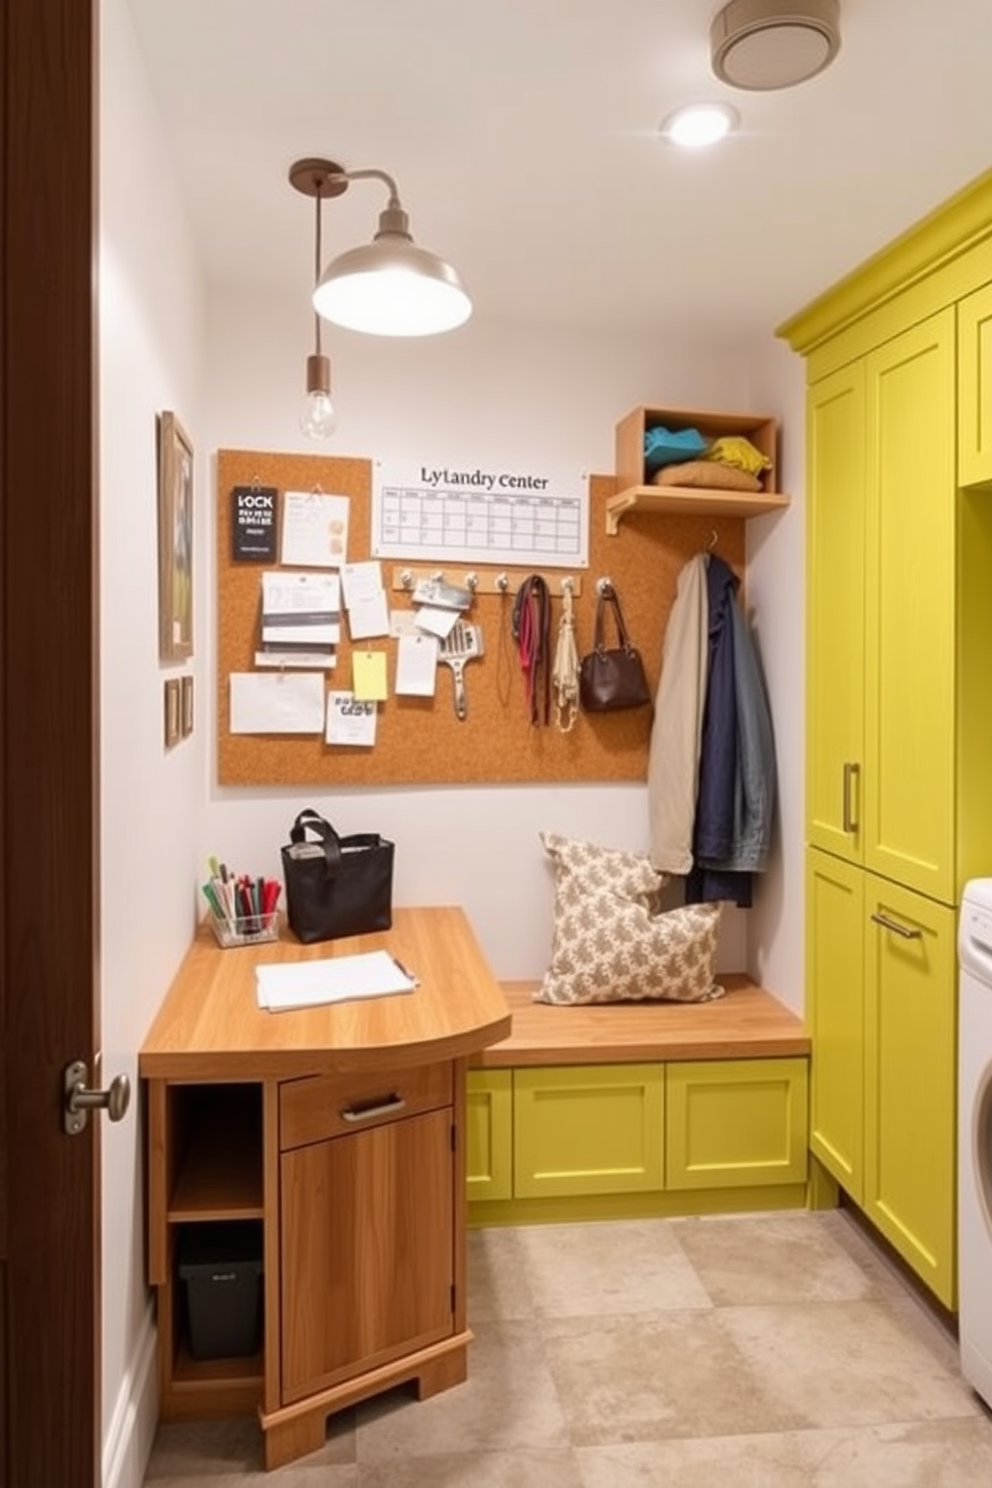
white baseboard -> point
(129, 1440)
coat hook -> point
(567, 584)
(472, 581)
(502, 582)
(714, 538)
(603, 586)
(406, 578)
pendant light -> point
(318, 417)
(389, 287)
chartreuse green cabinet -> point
(910, 743)
(835, 1016)
(910, 1090)
(835, 632)
(612, 1140)
(588, 1129)
(975, 384)
(735, 1129)
(899, 708)
(489, 1118)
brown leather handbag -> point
(611, 678)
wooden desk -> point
(330, 1126)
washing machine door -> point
(981, 1150)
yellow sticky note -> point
(368, 675)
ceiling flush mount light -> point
(388, 287)
(700, 124)
(318, 418)
(769, 44)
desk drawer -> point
(335, 1105)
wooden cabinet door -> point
(835, 528)
(975, 388)
(368, 1264)
(910, 1045)
(835, 1015)
(909, 609)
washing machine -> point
(975, 1136)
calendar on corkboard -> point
(422, 740)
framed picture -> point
(187, 706)
(173, 712)
(175, 540)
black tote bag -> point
(336, 886)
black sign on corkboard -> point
(253, 524)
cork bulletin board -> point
(420, 740)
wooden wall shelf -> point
(689, 501)
(636, 494)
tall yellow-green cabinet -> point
(899, 709)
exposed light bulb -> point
(318, 418)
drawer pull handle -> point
(384, 1108)
(851, 772)
(903, 930)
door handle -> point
(388, 1107)
(903, 930)
(80, 1101)
(851, 773)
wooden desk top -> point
(210, 1026)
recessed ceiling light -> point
(700, 124)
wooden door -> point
(835, 569)
(49, 1194)
(910, 1046)
(368, 1250)
(835, 1013)
(910, 609)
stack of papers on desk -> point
(304, 984)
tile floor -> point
(764, 1351)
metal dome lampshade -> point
(389, 287)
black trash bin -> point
(221, 1266)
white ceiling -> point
(523, 137)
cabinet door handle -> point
(388, 1107)
(851, 772)
(903, 930)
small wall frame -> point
(173, 712)
(175, 540)
(186, 706)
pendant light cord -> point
(318, 204)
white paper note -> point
(368, 617)
(287, 703)
(314, 529)
(322, 661)
(437, 622)
(350, 720)
(301, 609)
(416, 665)
(302, 984)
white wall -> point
(533, 394)
(775, 598)
(152, 339)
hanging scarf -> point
(531, 631)
(566, 668)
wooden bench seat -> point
(747, 1023)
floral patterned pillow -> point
(610, 942)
